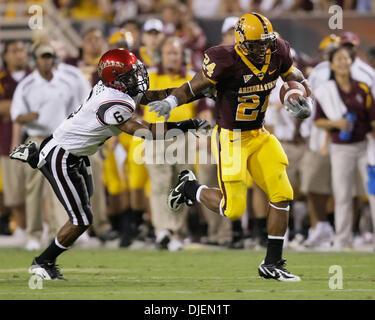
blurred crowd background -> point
(170, 37)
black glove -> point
(202, 126)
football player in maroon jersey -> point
(244, 75)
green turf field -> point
(190, 274)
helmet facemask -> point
(134, 81)
(256, 50)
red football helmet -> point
(120, 69)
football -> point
(292, 89)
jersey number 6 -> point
(119, 118)
(245, 110)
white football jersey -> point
(96, 120)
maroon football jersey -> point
(242, 88)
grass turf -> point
(211, 275)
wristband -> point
(172, 100)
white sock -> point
(198, 195)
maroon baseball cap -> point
(349, 37)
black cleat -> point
(162, 240)
(47, 271)
(176, 198)
(26, 153)
(277, 271)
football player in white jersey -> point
(62, 157)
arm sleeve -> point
(286, 57)
(115, 112)
(319, 112)
(19, 105)
(216, 64)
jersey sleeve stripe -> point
(119, 102)
(285, 74)
(106, 105)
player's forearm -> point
(154, 95)
(183, 94)
(16, 134)
(192, 90)
(326, 124)
(160, 131)
(26, 118)
(5, 107)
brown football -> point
(292, 89)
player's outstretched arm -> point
(189, 91)
(143, 129)
(300, 109)
(153, 95)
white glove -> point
(300, 109)
(164, 107)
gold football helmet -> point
(254, 36)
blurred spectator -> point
(280, 6)
(338, 98)
(171, 16)
(15, 69)
(133, 27)
(41, 101)
(361, 71)
(363, 5)
(227, 31)
(194, 40)
(316, 175)
(213, 8)
(93, 46)
(152, 37)
(88, 9)
(128, 9)
(170, 229)
(127, 37)
(122, 39)
(371, 57)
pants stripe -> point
(73, 190)
(60, 186)
(221, 182)
(67, 190)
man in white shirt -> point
(41, 101)
(63, 156)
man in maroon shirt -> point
(15, 63)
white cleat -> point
(277, 271)
(46, 271)
(24, 151)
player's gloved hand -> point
(163, 107)
(202, 126)
(300, 109)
